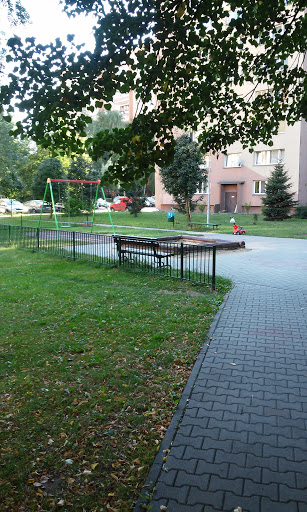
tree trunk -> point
(188, 209)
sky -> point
(49, 22)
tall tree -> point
(185, 174)
(49, 168)
(108, 121)
(14, 156)
(192, 57)
(80, 195)
(29, 168)
(279, 200)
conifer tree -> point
(278, 201)
(184, 176)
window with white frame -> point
(269, 157)
(124, 110)
(259, 187)
(232, 160)
(203, 187)
(281, 126)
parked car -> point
(13, 206)
(102, 204)
(36, 205)
(120, 204)
(59, 207)
(150, 201)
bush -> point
(137, 203)
(301, 212)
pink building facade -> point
(238, 177)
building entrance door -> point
(230, 201)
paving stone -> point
(301, 480)
(197, 496)
(192, 453)
(287, 493)
(232, 501)
(253, 474)
(232, 458)
(276, 451)
(183, 440)
(287, 478)
(252, 488)
(268, 505)
(179, 494)
(185, 465)
(226, 484)
(207, 468)
(264, 462)
(212, 433)
(241, 447)
(200, 481)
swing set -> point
(86, 223)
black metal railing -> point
(159, 256)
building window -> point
(269, 157)
(281, 126)
(263, 92)
(259, 187)
(203, 187)
(124, 110)
(232, 160)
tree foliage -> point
(278, 201)
(185, 174)
(14, 156)
(105, 120)
(80, 196)
(186, 62)
(16, 12)
(48, 168)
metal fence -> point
(169, 258)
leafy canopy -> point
(186, 62)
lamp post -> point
(209, 186)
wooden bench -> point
(213, 226)
(128, 246)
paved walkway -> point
(238, 438)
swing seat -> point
(87, 224)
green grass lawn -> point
(290, 228)
(93, 363)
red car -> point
(120, 204)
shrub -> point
(301, 212)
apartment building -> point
(238, 177)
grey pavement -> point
(238, 437)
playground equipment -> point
(86, 223)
